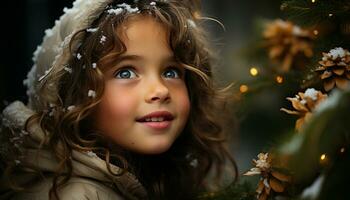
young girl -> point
(122, 105)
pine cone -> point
(335, 69)
(304, 104)
(288, 44)
(271, 179)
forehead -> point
(142, 27)
(144, 33)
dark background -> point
(24, 22)
(23, 25)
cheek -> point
(115, 109)
(183, 102)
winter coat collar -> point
(85, 164)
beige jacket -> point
(91, 178)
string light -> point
(323, 157)
(254, 71)
(330, 14)
(342, 150)
(243, 88)
(313, 1)
(279, 79)
(315, 32)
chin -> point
(158, 148)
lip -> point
(157, 125)
(168, 118)
(165, 114)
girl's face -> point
(145, 104)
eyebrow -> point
(126, 57)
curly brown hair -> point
(165, 176)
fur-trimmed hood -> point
(52, 56)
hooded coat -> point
(90, 177)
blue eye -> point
(172, 73)
(125, 74)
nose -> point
(157, 92)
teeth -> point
(155, 119)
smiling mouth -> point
(158, 116)
(157, 120)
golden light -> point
(313, 1)
(315, 32)
(254, 71)
(243, 88)
(279, 79)
(342, 150)
(323, 157)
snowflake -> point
(128, 8)
(79, 56)
(94, 65)
(70, 108)
(312, 93)
(194, 163)
(115, 11)
(91, 93)
(69, 70)
(336, 52)
(91, 30)
(191, 23)
(103, 39)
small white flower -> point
(94, 65)
(91, 93)
(153, 3)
